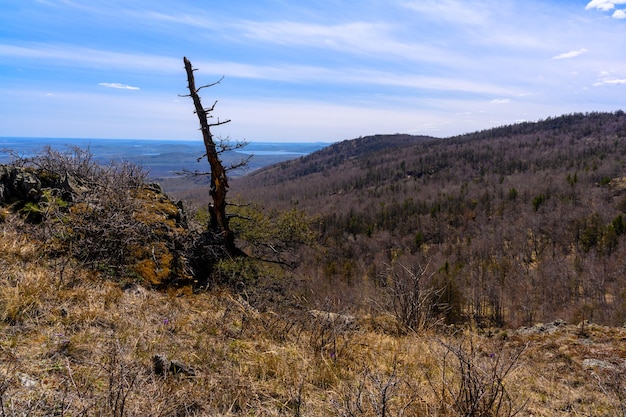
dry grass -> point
(74, 344)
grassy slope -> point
(74, 344)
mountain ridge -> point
(364, 146)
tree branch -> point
(210, 85)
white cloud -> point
(604, 5)
(434, 60)
(570, 54)
(286, 32)
(356, 37)
(91, 58)
(607, 78)
(619, 14)
(119, 86)
(608, 5)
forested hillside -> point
(506, 226)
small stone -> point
(180, 368)
(160, 364)
(598, 363)
(27, 381)
(163, 366)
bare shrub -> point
(122, 378)
(79, 164)
(108, 218)
(612, 382)
(412, 301)
(380, 394)
(6, 371)
(472, 380)
(329, 333)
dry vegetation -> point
(72, 343)
(113, 304)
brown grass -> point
(72, 343)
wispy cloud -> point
(288, 32)
(119, 86)
(607, 78)
(570, 54)
(610, 81)
(465, 12)
(284, 73)
(410, 59)
(356, 37)
(185, 19)
(88, 57)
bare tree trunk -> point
(219, 181)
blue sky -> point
(316, 70)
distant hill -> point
(332, 156)
(518, 223)
(421, 155)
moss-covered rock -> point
(130, 232)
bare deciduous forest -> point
(507, 226)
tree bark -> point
(219, 181)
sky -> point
(304, 71)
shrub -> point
(411, 299)
(538, 200)
(107, 217)
(473, 381)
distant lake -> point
(162, 158)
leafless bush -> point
(329, 332)
(473, 380)
(414, 304)
(379, 394)
(122, 378)
(5, 383)
(79, 164)
(108, 218)
(612, 382)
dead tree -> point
(219, 181)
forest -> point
(504, 227)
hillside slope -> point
(332, 156)
(514, 224)
(74, 343)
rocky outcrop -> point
(548, 328)
(134, 230)
(18, 184)
(110, 220)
